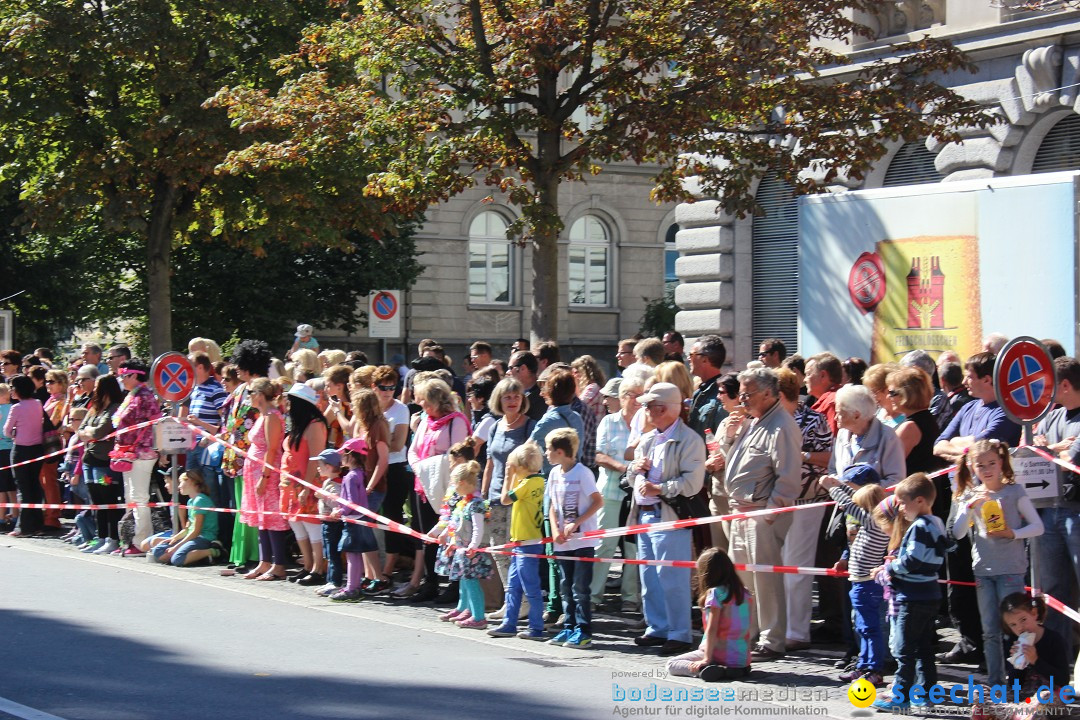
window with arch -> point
(912, 164)
(671, 254)
(490, 260)
(1060, 149)
(590, 256)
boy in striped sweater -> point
(913, 577)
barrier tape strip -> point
(81, 443)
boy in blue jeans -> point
(913, 577)
(574, 502)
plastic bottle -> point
(992, 516)
(710, 442)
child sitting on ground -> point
(725, 603)
(198, 540)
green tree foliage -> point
(659, 315)
(104, 134)
(522, 95)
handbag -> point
(122, 458)
(688, 507)
(50, 436)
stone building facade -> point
(738, 276)
(477, 285)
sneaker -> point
(405, 591)
(888, 706)
(562, 637)
(326, 590)
(90, 546)
(853, 674)
(376, 587)
(499, 614)
(532, 635)
(454, 615)
(106, 547)
(346, 596)
(472, 624)
(503, 631)
(133, 551)
(716, 673)
(578, 639)
(874, 678)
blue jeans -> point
(915, 644)
(867, 598)
(665, 591)
(574, 580)
(991, 590)
(1057, 562)
(524, 579)
(331, 537)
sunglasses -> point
(386, 388)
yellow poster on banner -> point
(931, 298)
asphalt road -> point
(90, 638)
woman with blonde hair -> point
(306, 365)
(206, 345)
(330, 358)
(440, 426)
(589, 379)
(875, 380)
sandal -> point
(254, 574)
(268, 576)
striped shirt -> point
(869, 546)
(913, 575)
(206, 401)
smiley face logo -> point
(862, 693)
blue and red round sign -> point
(1024, 380)
(384, 305)
(172, 376)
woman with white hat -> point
(305, 438)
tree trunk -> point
(545, 262)
(158, 251)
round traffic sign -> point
(384, 306)
(1024, 380)
(172, 376)
(866, 282)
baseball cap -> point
(304, 330)
(861, 474)
(356, 445)
(330, 456)
(611, 389)
(662, 392)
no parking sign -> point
(172, 376)
(384, 314)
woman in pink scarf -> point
(440, 427)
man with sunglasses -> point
(480, 354)
(764, 470)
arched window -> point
(671, 254)
(590, 256)
(490, 257)
(912, 164)
(1060, 149)
(775, 264)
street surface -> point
(92, 638)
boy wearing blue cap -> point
(330, 470)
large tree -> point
(523, 95)
(104, 132)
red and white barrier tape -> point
(63, 451)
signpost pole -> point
(175, 480)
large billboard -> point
(938, 267)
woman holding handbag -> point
(104, 484)
(24, 425)
(139, 406)
(56, 407)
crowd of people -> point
(531, 452)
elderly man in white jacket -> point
(669, 462)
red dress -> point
(261, 510)
(295, 462)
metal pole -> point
(175, 471)
(1035, 587)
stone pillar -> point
(706, 266)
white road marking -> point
(25, 713)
